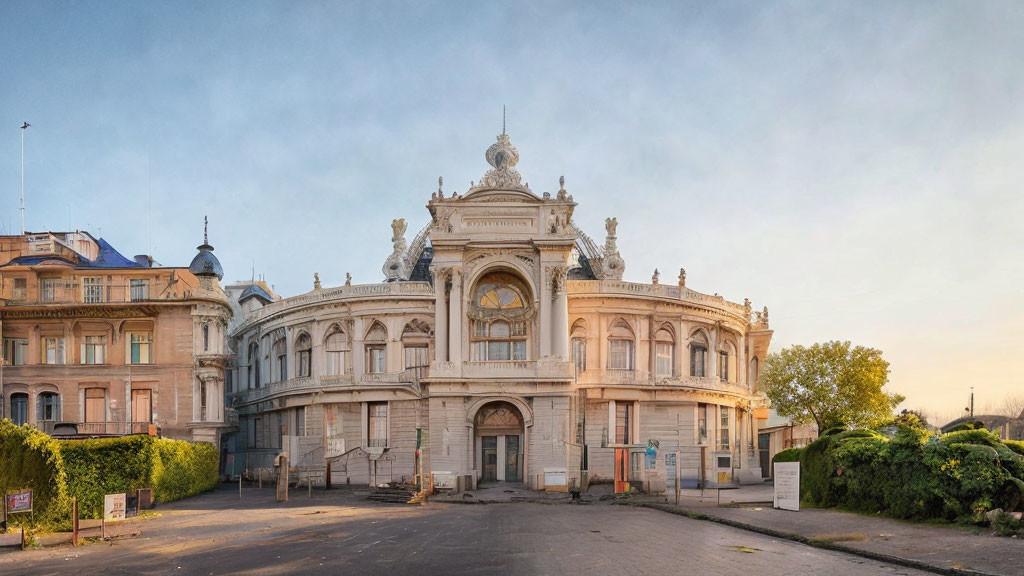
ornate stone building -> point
(502, 345)
(111, 345)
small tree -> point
(832, 384)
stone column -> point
(742, 362)
(545, 321)
(455, 318)
(560, 318)
(440, 316)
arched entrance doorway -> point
(500, 442)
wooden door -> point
(95, 405)
(142, 406)
(490, 457)
(621, 470)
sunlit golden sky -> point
(856, 167)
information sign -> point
(787, 485)
(114, 506)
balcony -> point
(97, 428)
(631, 377)
(504, 370)
(316, 383)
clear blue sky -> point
(856, 166)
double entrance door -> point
(502, 458)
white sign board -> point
(113, 507)
(444, 480)
(554, 477)
(787, 486)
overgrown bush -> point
(788, 455)
(56, 470)
(107, 466)
(916, 475)
(184, 469)
(32, 460)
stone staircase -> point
(394, 493)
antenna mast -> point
(24, 126)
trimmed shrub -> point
(184, 469)
(956, 476)
(788, 455)
(106, 466)
(32, 460)
(1016, 445)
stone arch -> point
(503, 263)
(524, 409)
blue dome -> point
(206, 264)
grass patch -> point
(844, 537)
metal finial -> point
(502, 118)
(440, 183)
(205, 240)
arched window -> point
(303, 355)
(698, 354)
(376, 349)
(500, 316)
(579, 345)
(664, 353)
(620, 347)
(254, 365)
(280, 358)
(19, 408)
(336, 349)
(48, 407)
(206, 336)
(726, 362)
(416, 347)
(754, 373)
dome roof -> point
(205, 263)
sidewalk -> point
(942, 549)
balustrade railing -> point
(320, 382)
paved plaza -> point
(341, 533)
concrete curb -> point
(900, 561)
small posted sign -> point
(114, 506)
(787, 486)
(16, 502)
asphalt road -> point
(342, 533)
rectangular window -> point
(698, 355)
(702, 423)
(49, 406)
(664, 356)
(282, 364)
(377, 432)
(15, 351)
(375, 360)
(723, 365)
(95, 405)
(256, 432)
(94, 350)
(304, 366)
(48, 289)
(141, 347)
(92, 290)
(142, 406)
(620, 354)
(139, 289)
(724, 411)
(300, 421)
(20, 291)
(417, 359)
(52, 349)
(579, 354)
(623, 413)
(336, 360)
(206, 337)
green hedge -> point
(107, 466)
(915, 474)
(788, 455)
(32, 460)
(57, 470)
(184, 469)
